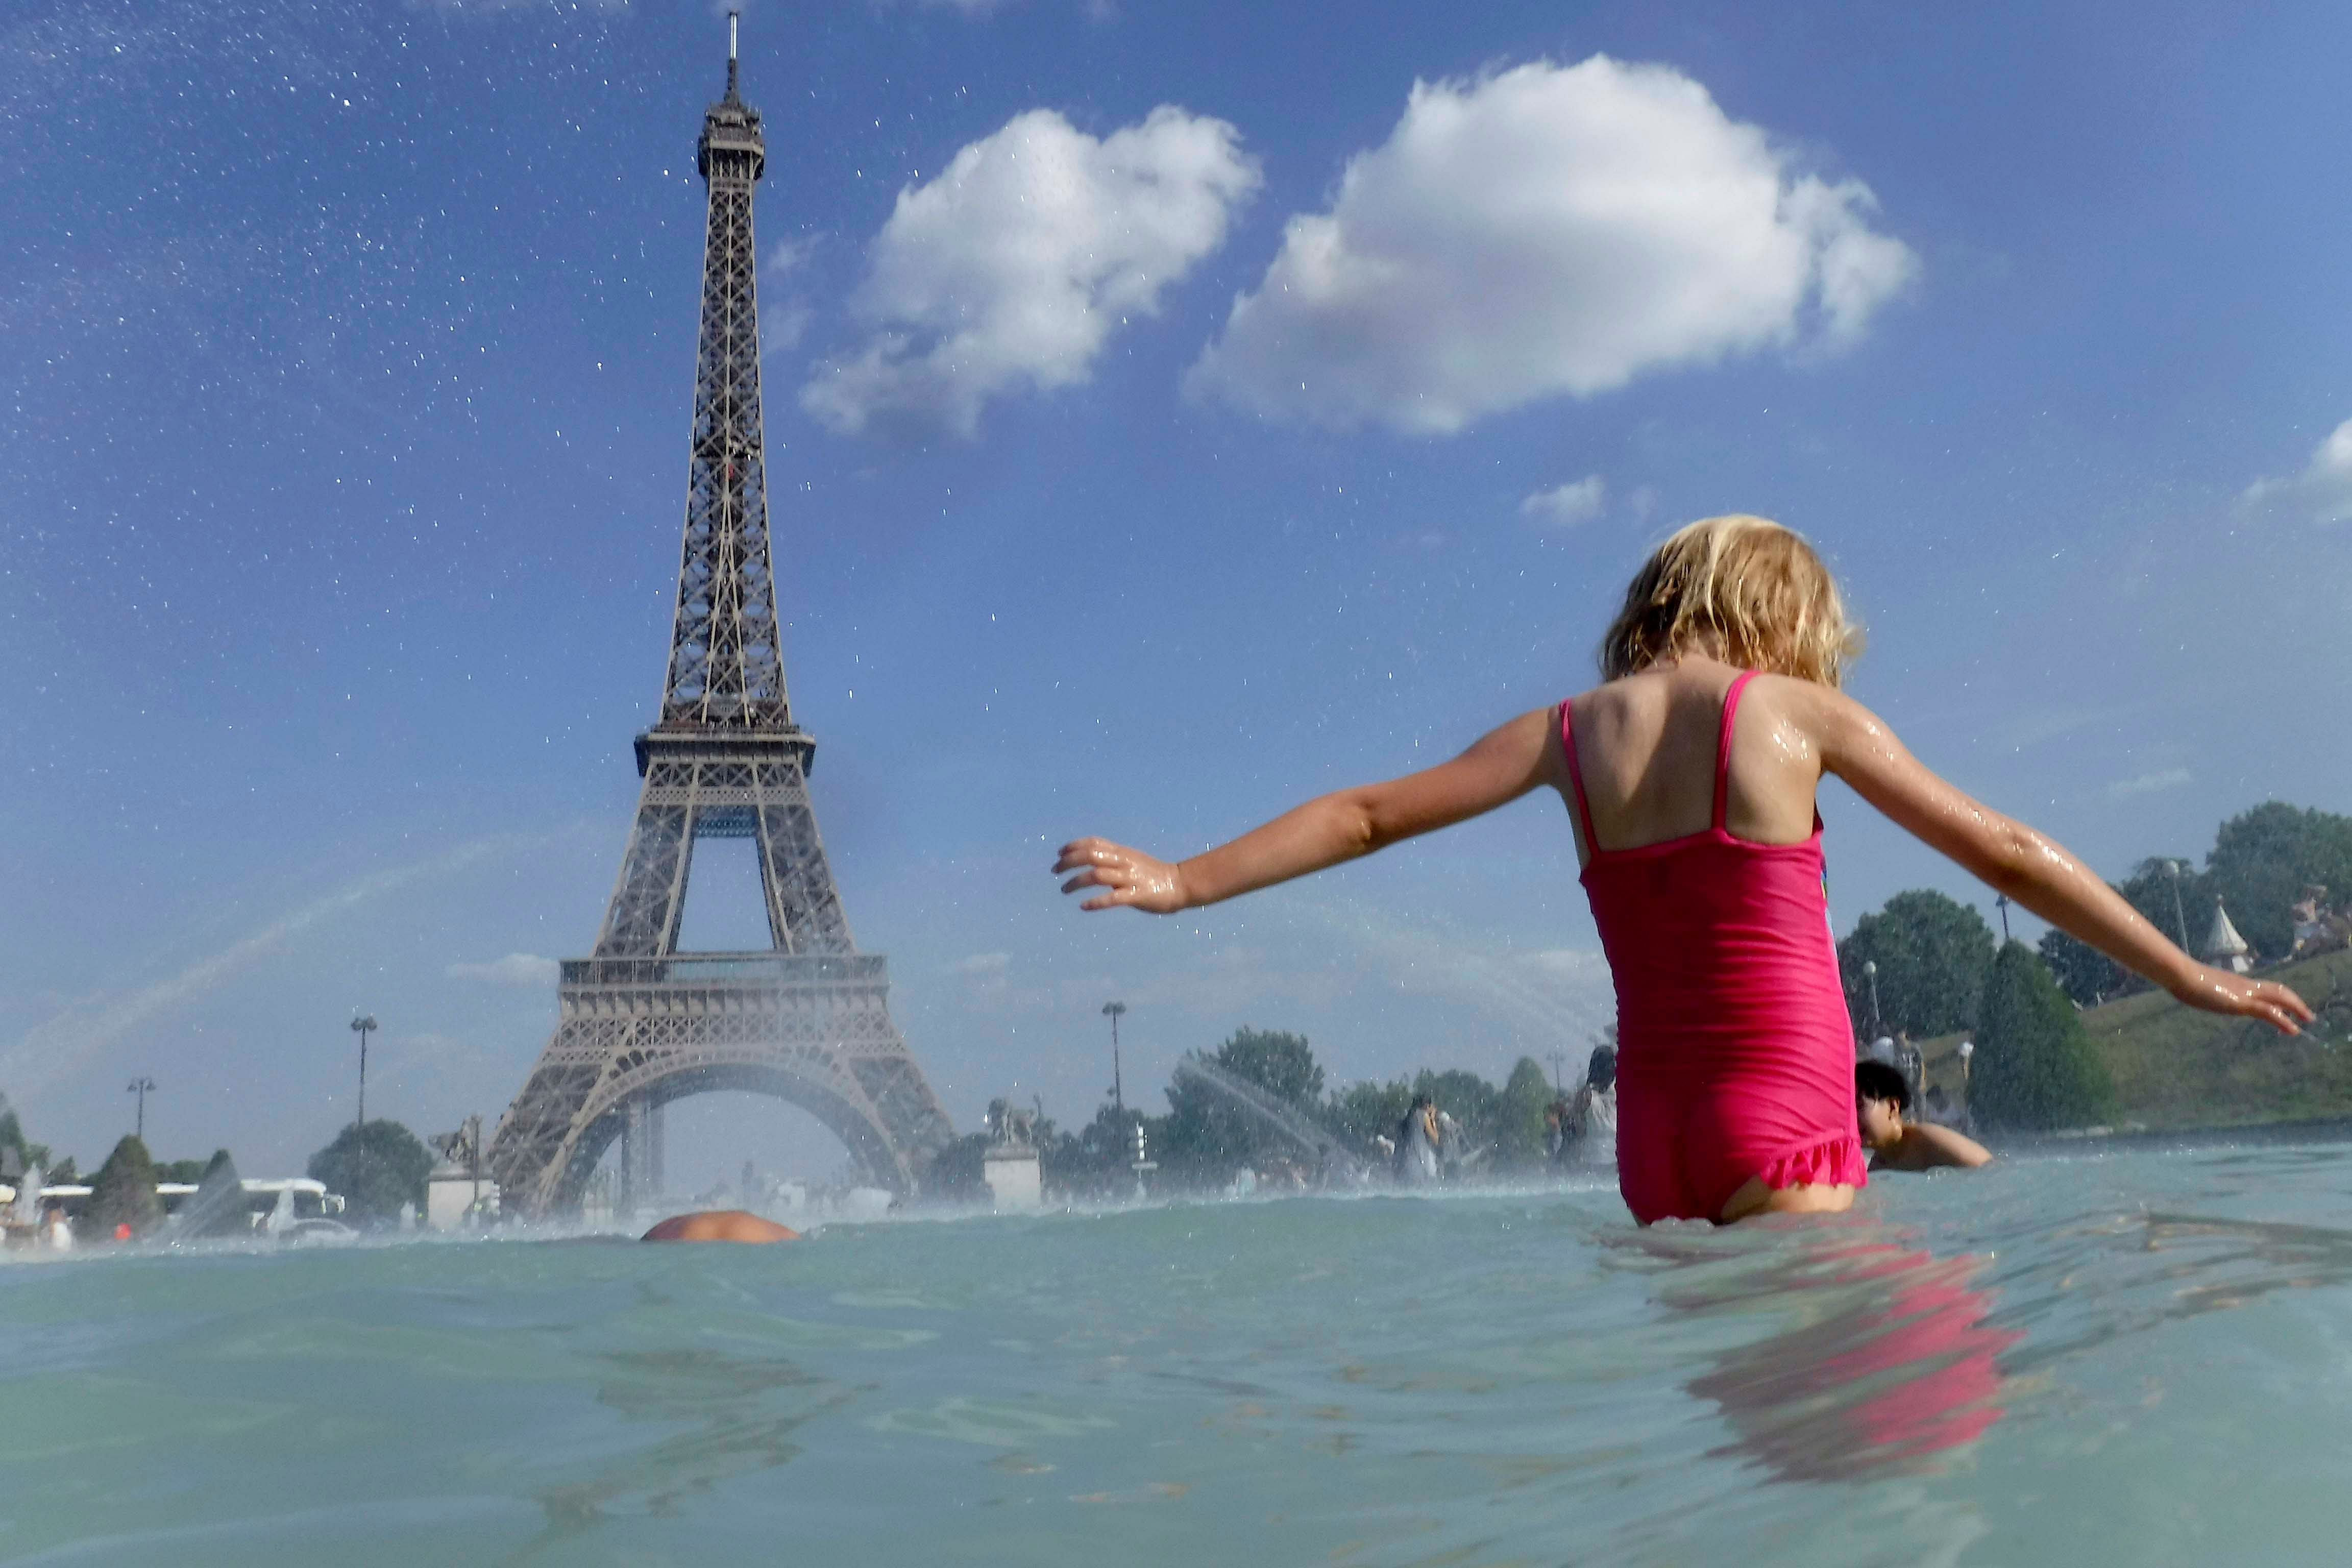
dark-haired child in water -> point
(1880, 1098)
(1689, 773)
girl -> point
(1689, 775)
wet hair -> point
(1601, 1070)
(1876, 1080)
(1743, 589)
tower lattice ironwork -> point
(640, 1023)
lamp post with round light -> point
(1968, 1094)
(139, 1085)
(2173, 870)
(363, 1026)
(1870, 972)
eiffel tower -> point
(640, 1023)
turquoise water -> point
(2141, 1356)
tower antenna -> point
(734, 23)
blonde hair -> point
(1741, 589)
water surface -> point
(2136, 1356)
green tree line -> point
(1203, 1140)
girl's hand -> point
(2219, 991)
(1131, 877)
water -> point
(2142, 1356)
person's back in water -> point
(1594, 1113)
(1417, 1156)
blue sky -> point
(1172, 412)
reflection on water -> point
(1885, 1364)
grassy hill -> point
(2176, 1067)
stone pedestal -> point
(1012, 1179)
(449, 1193)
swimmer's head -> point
(1601, 1070)
(1881, 1097)
(1742, 589)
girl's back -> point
(1647, 748)
(1736, 1055)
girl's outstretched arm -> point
(1503, 765)
(2013, 859)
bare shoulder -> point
(1807, 703)
(1844, 733)
(1925, 1145)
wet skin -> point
(719, 1224)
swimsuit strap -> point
(1576, 773)
(1723, 748)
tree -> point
(12, 1136)
(958, 1172)
(377, 1167)
(123, 1193)
(1932, 954)
(2087, 975)
(1207, 1137)
(1281, 1064)
(1519, 1118)
(1362, 1111)
(2035, 1068)
(2262, 859)
(1475, 1104)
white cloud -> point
(1565, 506)
(1547, 229)
(984, 963)
(2147, 783)
(517, 970)
(788, 255)
(2322, 492)
(1014, 265)
(782, 326)
(785, 321)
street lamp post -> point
(2172, 871)
(1111, 1010)
(1870, 972)
(1559, 1073)
(2000, 902)
(139, 1085)
(362, 1026)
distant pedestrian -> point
(1419, 1145)
(1594, 1113)
(1556, 1137)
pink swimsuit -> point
(1734, 1054)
